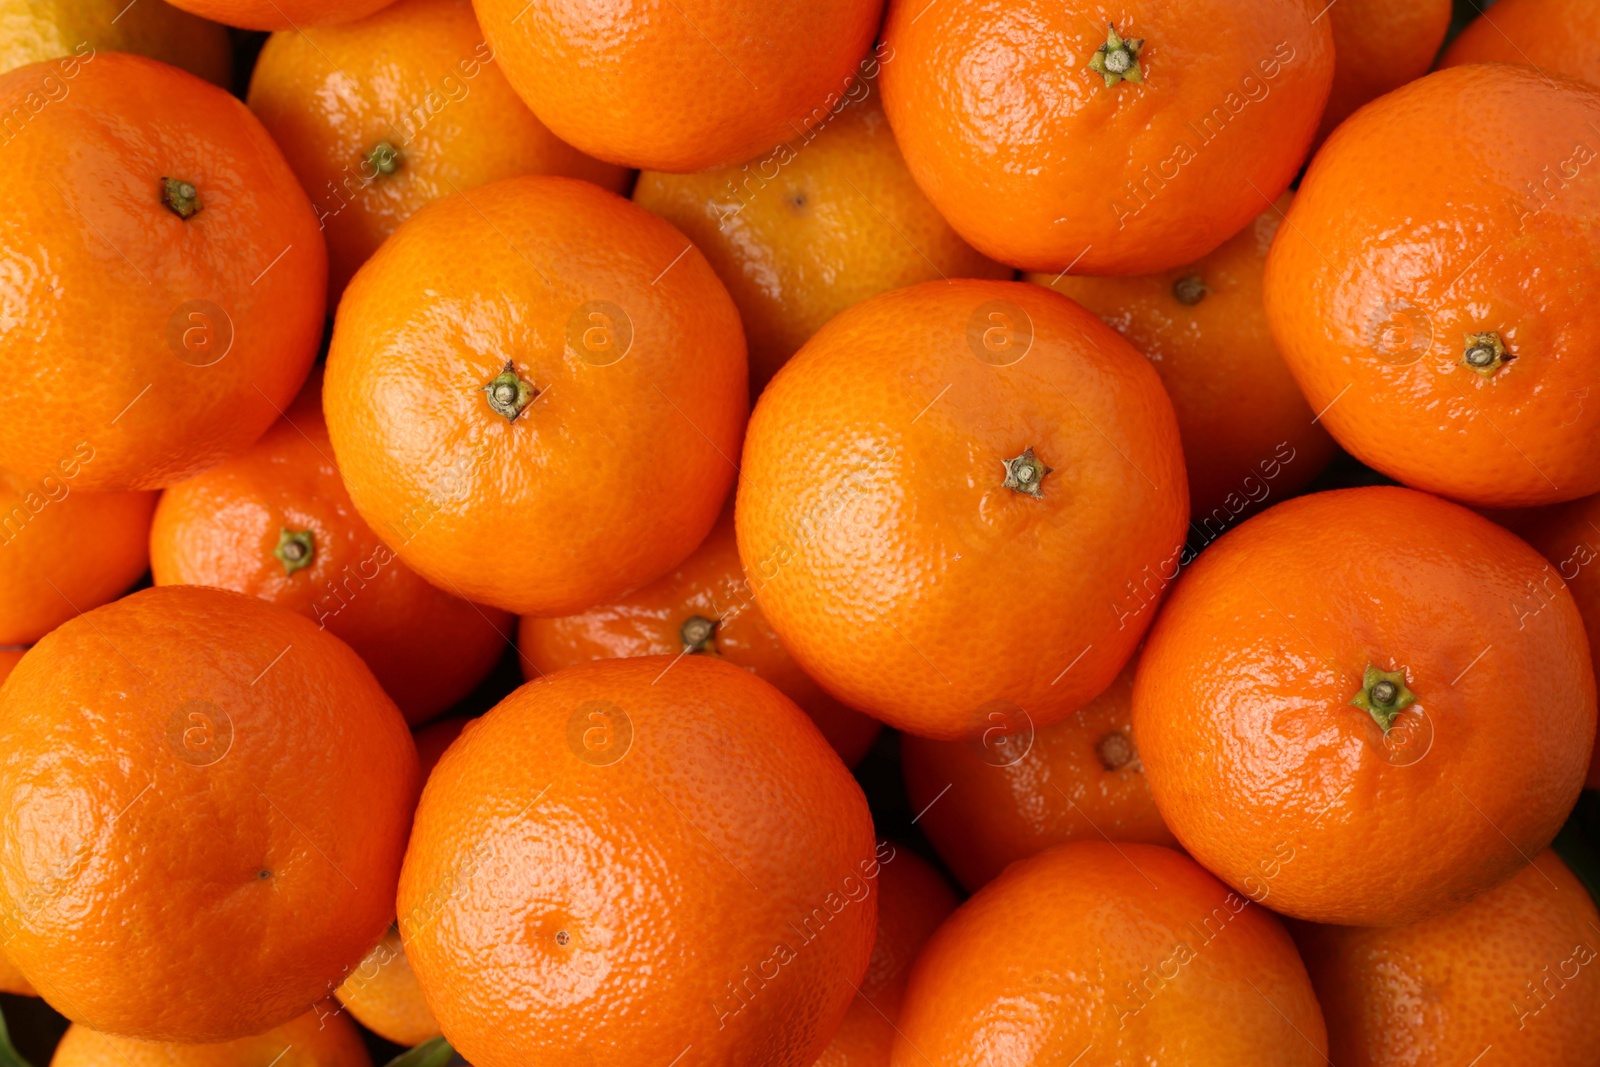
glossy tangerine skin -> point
(687, 851)
(570, 504)
(1133, 952)
(34, 30)
(1000, 808)
(63, 551)
(1512, 971)
(382, 992)
(914, 899)
(1568, 536)
(316, 1039)
(425, 82)
(11, 980)
(886, 552)
(1378, 46)
(426, 647)
(1389, 260)
(1040, 164)
(132, 855)
(682, 86)
(649, 622)
(96, 276)
(1248, 434)
(819, 224)
(273, 15)
(1553, 36)
(1268, 775)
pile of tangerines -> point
(561, 437)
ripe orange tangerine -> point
(952, 469)
(1054, 139)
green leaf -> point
(435, 1053)
(9, 1056)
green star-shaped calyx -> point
(1118, 59)
(509, 392)
(296, 549)
(1383, 695)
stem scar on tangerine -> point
(509, 393)
(1026, 473)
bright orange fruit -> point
(1248, 434)
(913, 899)
(206, 800)
(536, 392)
(821, 222)
(1438, 306)
(34, 30)
(315, 1039)
(280, 14)
(987, 802)
(1552, 36)
(383, 115)
(705, 606)
(1111, 954)
(168, 267)
(11, 980)
(628, 818)
(951, 470)
(1352, 666)
(276, 522)
(382, 992)
(696, 84)
(1054, 141)
(1568, 535)
(63, 552)
(1510, 977)
(1378, 46)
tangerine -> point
(1248, 433)
(276, 522)
(1353, 664)
(206, 801)
(818, 224)
(315, 1039)
(984, 806)
(1568, 536)
(1456, 347)
(382, 993)
(633, 817)
(64, 551)
(913, 899)
(705, 84)
(1553, 36)
(1053, 141)
(1513, 971)
(1378, 46)
(34, 30)
(1111, 954)
(952, 469)
(536, 392)
(703, 607)
(382, 115)
(169, 270)
(11, 980)
(280, 14)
